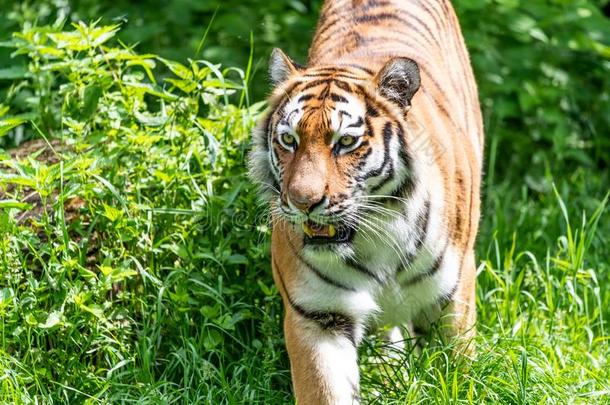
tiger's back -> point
(380, 133)
(367, 33)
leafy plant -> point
(132, 232)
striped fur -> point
(392, 80)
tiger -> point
(370, 159)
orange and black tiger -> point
(370, 157)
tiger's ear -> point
(281, 67)
(398, 81)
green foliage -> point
(542, 69)
(132, 258)
(134, 255)
(215, 30)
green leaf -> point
(186, 86)
(121, 274)
(112, 213)
(151, 89)
(211, 312)
(53, 319)
(101, 35)
(150, 120)
(7, 204)
(6, 294)
(14, 72)
(20, 180)
(91, 100)
(237, 259)
(9, 123)
(212, 339)
(178, 69)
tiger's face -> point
(332, 146)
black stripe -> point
(275, 157)
(369, 127)
(325, 25)
(350, 262)
(364, 69)
(371, 111)
(387, 136)
(286, 92)
(324, 93)
(407, 185)
(408, 19)
(427, 274)
(280, 107)
(316, 271)
(330, 321)
(418, 330)
(379, 17)
(315, 83)
(267, 125)
(332, 73)
(446, 298)
(422, 24)
(389, 176)
(327, 70)
(337, 98)
(269, 149)
(405, 158)
(437, 16)
(356, 124)
(433, 15)
(376, 3)
(422, 225)
(339, 16)
(327, 320)
(343, 85)
(305, 97)
(275, 184)
(345, 113)
(364, 156)
(353, 23)
(405, 188)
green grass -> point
(134, 260)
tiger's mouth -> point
(318, 234)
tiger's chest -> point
(406, 258)
(390, 273)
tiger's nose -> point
(305, 202)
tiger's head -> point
(332, 144)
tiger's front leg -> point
(323, 361)
(323, 325)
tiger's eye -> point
(347, 140)
(288, 139)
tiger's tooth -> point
(307, 229)
(331, 231)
